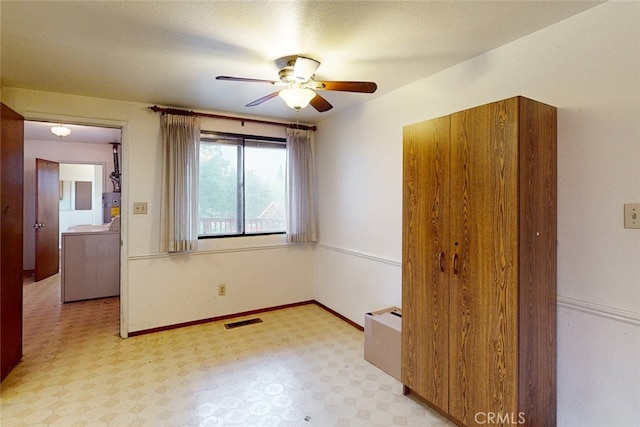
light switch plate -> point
(140, 208)
(632, 215)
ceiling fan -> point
(297, 76)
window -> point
(241, 185)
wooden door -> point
(47, 257)
(425, 288)
(483, 324)
(11, 195)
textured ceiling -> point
(41, 131)
(169, 53)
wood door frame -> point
(124, 129)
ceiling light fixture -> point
(297, 98)
(60, 130)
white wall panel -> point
(173, 289)
(359, 282)
(598, 368)
(589, 67)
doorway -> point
(89, 157)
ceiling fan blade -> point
(261, 100)
(364, 87)
(320, 104)
(242, 79)
(304, 67)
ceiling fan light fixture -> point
(297, 98)
(60, 131)
(303, 68)
(297, 75)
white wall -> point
(169, 290)
(589, 67)
(69, 174)
(158, 289)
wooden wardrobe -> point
(479, 264)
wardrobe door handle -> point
(455, 263)
(441, 261)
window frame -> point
(256, 141)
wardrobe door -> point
(425, 290)
(483, 321)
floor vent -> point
(242, 323)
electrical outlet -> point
(632, 215)
(140, 208)
(222, 290)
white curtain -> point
(180, 157)
(301, 195)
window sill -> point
(241, 242)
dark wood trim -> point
(218, 318)
(180, 112)
(244, 313)
(335, 313)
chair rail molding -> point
(613, 313)
(360, 254)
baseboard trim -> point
(217, 318)
(600, 310)
(338, 315)
(244, 313)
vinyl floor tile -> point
(300, 367)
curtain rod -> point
(179, 112)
